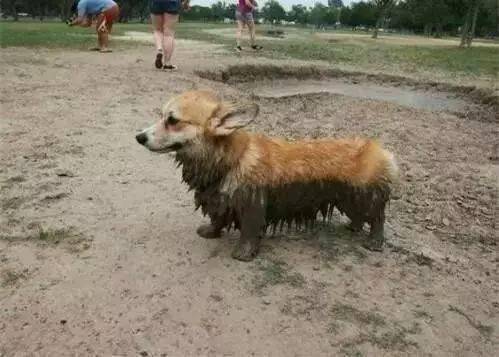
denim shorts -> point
(244, 17)
(159, 7)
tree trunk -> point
(378, 25)
(438, 30)
(427, 29)
(14, 11)
(471, 33)
(465, 29)
(467, 23)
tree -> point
(346, 16)
(382, 8)
(360, 14)
(335, 3)
(318, 15)
(218, 11)
(402, 16)
(11, 7)
(298, 14)
(273, 11)
(428, 15)
(488, 14)
(321, 15)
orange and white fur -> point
(251, 182)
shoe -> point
(256, 47)
(171, 67)
(239, 49)
(159, 61)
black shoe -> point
(159, 61)
(256, 47)
(239, 49)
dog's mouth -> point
(171, 148)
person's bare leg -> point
(251, 28)
(99, 41)
(169, 21)
(239, 33)
(98, 22)
(104, 41)
(157, 25)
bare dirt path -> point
(98, 251)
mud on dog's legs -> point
(212, 230)
(252, 218)
(376, 238)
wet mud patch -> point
(332, 241)
(270, 81)
(404, 96)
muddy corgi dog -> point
(251, 182)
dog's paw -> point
(207, 231)
(375, 245)
(245, 251)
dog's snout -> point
(141, 138)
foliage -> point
(431, 17)
(273, 12)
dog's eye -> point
(171, 120)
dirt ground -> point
(98, 250)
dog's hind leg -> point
(252, 218)
(376, 237)
(356, 225)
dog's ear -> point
(233, 117)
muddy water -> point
(405, 96)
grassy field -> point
(403, 55)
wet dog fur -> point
(251, 182)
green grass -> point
(374, 329)
(57, 35)
(68, 238)
(350, 313)
(382, 56)
(361, 53)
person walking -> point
(244, 17)
(164, 16)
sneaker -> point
(159, 61)
(239, 49)
(171, 67)
(256, 47)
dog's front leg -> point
(252, 218)
(212, 230)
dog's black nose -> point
(141, 138)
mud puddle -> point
(404, 96)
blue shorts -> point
(159, 7)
